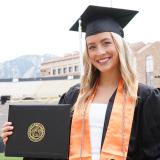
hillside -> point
(23, 67)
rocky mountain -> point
(27, 66)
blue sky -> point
(42, 26)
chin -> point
(108, 69)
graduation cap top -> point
(97, 19)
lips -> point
(103, 60)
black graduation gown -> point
(145, 134)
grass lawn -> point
(2, 157)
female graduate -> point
(114, 117)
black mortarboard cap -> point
(97, 19)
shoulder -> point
(146, 92)
(71, 95)
(149, 97)
(147, 120)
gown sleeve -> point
(70, 96)
(145, 134)
(151, 126)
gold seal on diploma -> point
(36, 132)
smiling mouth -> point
(103, 60)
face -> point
(102, 52)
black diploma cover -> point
(40, 131)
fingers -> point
(5, 140)
(6, 134)
(6, 131)
(7, 124)
(7, 128)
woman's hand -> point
(6, 131)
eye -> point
(106, 43)
(91, 47)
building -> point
(147, 58)
(147, 63)
(62, 66)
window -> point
(59, 71)
(76, 68)
(43, 70)
(65, 70)
(149, 70)
(70, 69)
(54, 72)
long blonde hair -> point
(91, 74)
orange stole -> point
(113, 142)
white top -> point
(96, 122)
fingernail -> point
(11, 127)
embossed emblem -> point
(36, 132)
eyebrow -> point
(102, 40)
(105, 39)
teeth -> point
(103, 60)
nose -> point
(101, 50)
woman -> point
(114, 117)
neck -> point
(108, 83)
(109, 80)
